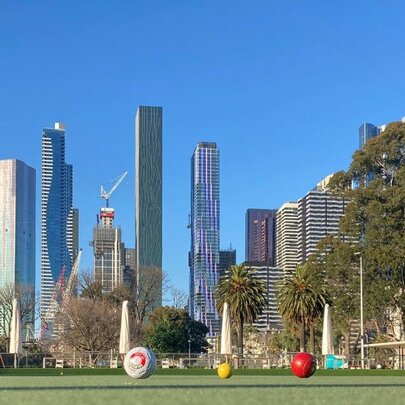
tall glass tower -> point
(148, 200)
(57, 214)
(204, 254)
(17, 229)
(366, 132)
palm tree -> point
(301, 301)
(246, 296)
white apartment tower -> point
(286, 238)
(319, 214)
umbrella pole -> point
(15, 360)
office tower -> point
(227, 258)
(148, 197)
(130, 268)
(204, 253)
(366, 132)
(59, 228)
(319, 214)
(17, 231)
(270, 319)
(286, 238)
(260, 232)
(108, 252)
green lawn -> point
(204, 389)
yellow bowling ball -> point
(224, 370)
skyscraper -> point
(204, 253)
(319, 215)
(17, 228)
(286, 238)
(148, 197)
(260, 232)
(366, 132)
(58, 228)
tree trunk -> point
(311, 338)
(240, 341)
(302, 336)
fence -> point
(184, 360)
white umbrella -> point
(327, 334)
(226, 345)
(124, 335)
(15, 332)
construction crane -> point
(106, 195)
(61, 294)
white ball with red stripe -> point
(140, 362)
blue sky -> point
(282, 87)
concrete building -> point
(319, 214)
(108, 252)
(270, 320)
(287, 238)
(260, 235)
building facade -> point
(366, 132)
(59, 232)
(319, 215)
(108, 252)
(148, 197)
(260, 236)
(270, 320)
(227, 258)
(17, 231)
(205, 235)
(287, 238)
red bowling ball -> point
(303, 365)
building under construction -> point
(109, 251)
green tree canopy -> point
(171, 330)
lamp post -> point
(361, 312)
(189, 352)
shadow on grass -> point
(212, 387)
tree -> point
(246, 296)
(27, 302)
(375, 219)
(91, 325)
(171, 330)
(301, 302)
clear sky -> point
(281, 86)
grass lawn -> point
(201, 389)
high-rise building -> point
(108, 252)
(366, 132)
(59, 228)
(148, 197)
(204, 253)
(17, 229)
(319, 214)
(270, 319)
(260, 232)
(286, 238)
(227, 258)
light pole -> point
(189, 352)
(361, 312)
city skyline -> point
(282, 88)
